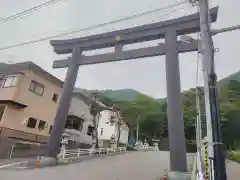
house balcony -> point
(7, 93)
(8, 86)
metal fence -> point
(147, 148)
(74, 153)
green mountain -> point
(122, 94)
(234, 76)
(152, 113)
(130, 94)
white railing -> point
(74, 153)
(147, 148)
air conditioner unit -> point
(46, 125)
(82, 115)
(121, 122)
(112, 119)
(25, 122)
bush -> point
(235, 156)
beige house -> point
(28, 101)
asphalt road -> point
(129, 166)
(233, 170)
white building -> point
(107, 128)
(124, 134)
(79, 124)
(109, 131)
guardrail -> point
(74, 153)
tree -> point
(95, 112)
(153, 119)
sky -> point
(144, 75)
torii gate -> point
(168, 30)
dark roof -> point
(19, 67)
(86, 95)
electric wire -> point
(29, 11)
(69, 32)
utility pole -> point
(207, 49)
(138, 116)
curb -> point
(231, 161)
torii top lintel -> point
(183, 25)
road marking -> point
(12, 164)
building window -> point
(101, 131)
(10, 81)
(74, 122)
(41, 125)
(55, 97)
(36, 88)
(90, 130)
(31, 122)
(50, 129)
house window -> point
(74, 122)
(36, 88)
(41, 125)
(10, 81)
(31, 122)
(50, 129)
(90, 130)
(55, 97)
(101, 131)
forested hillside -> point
(153, 119)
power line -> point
(28, 11)
(91, 27)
